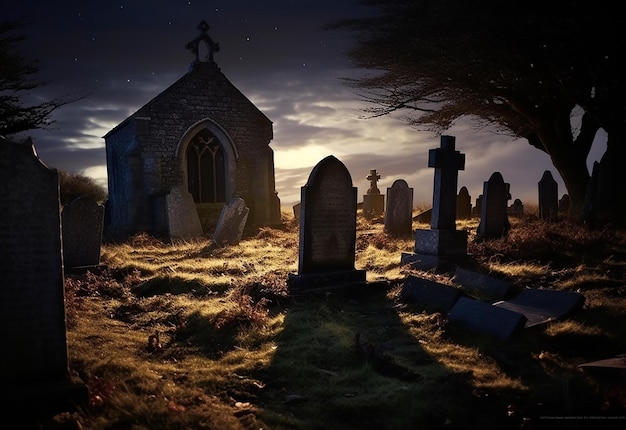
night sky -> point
(117, 56)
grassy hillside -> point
(185, 335)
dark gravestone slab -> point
(82, 221)
(482, 317)
(478, 206)
(463, 204)
(327, 228)
(34, 372)
(540, 306)
(494, 222)
(182, 216)
(398, 219)
(430, 293)
(231, 223)
(516, 209)
(548, 197)
(483, 285)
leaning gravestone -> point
(327, 229)
(231, 223)
(34, 370)
(398, 215)
(548, 197)
(182, 217)
(82, 222)
(494, 222)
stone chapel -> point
(202, 135)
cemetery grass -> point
(186, 335)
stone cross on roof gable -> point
(373, 177)
(194, 45)
(447, 163)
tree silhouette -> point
(518, 68)
(17, 80)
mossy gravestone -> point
(34, 372)
(327, 229)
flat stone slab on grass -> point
(482, 317)
(430, 293)
(484, 285)
(618, 362)
(540, 306)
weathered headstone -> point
(442, 242)
(34, 370)
(231, 223)
(463, 204)
(82, 222)
(484, 286)
(182, 217)
(398, 215)
(540, 305)
(482, 317)
(548, 197)
(564, 203)
(296, 211)
(327, 246)
(373, 201)
(517, 208)
(430, 293)
(494, 222)
(478, 206)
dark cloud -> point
(118, 56)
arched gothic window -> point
(205, 168)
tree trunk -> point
(568, 157)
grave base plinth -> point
(441, 242)
(313, 281)
(373, 205)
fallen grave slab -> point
(483, 317)
(618, 362)
(484, 285)
(430, 293)
(540, 306)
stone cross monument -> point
(435, 248)
(373, 201)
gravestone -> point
(430, 293)
(182, 217)
(463, 204)
(442, 243)
(373, 201)
(82, 222)
(494, 221)
(327, 245)
(564, 204)
(478, 206)
(540, 305)
(296, 211)
(484, 286)
(398, 215)
(482, 317)
(548, 197)
(231, 223)
(34, 370)
(517, 208)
